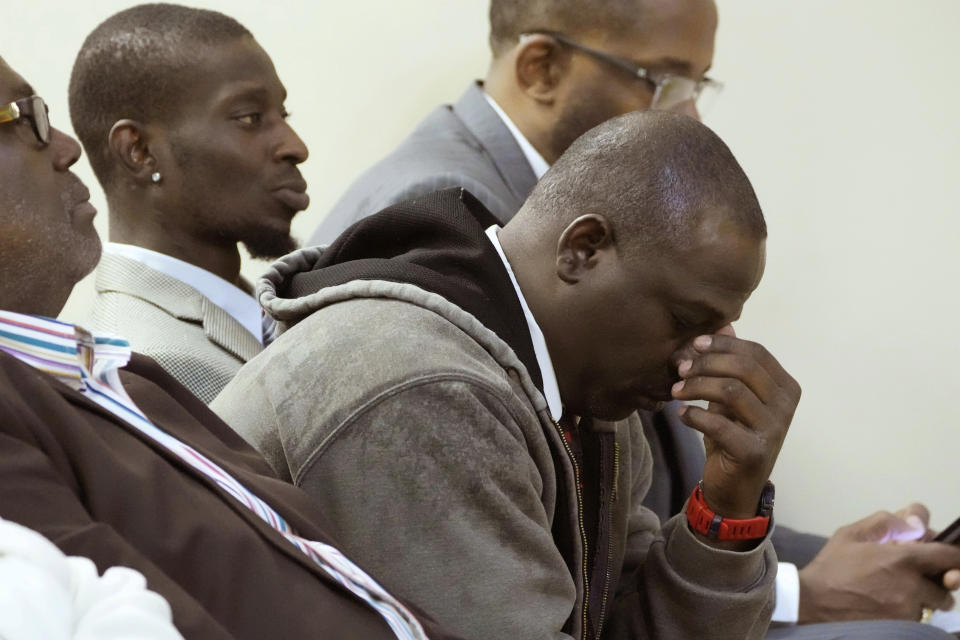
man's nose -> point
(291, 147)
(65, 150)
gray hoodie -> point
(423, 434)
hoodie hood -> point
(436, 243)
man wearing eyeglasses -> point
(559, 68)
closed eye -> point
(680, 323)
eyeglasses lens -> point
(41, 119)
(675, 91)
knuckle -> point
(731, 390)
(795, 390)
(757, 350)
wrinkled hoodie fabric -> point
(404, 395)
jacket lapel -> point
(223, 330)
(484, 123)
(81, 400)
(123, 275)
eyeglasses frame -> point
(658, 80)
(24, 108)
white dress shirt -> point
(788, 580)
(537, 163)
(551, 390)
(239, 304)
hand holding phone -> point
(950, 535)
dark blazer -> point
(97, 487)
(468, 145)
(461, 145)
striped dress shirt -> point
(91, 364)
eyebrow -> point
(680, 67)
(22, 90)
(258, 92)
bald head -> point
(644, 235)
(653, 175)
(136, 64)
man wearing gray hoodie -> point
(462, 399)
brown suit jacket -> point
(98, 488)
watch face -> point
(766, 500)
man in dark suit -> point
(560, 67)
(110, 458)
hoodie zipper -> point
(583, 532)
(613, 500)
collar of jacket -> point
(488, 128)
(435, 243)
(123, 275)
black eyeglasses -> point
(33, 109)
(669, 90)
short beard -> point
(268, 245)
(573, 122)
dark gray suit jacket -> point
(468, 145)
(462, 145)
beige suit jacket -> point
(197, 342)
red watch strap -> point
(703, 520)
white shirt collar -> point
(240, 305)
(537, 163)
(551, 390)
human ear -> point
(129, 144)
(581, 246)
(541, 64)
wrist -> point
(704, 520)
(805, 608)
(735, 505)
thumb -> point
(884, 526)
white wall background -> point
(842, 113)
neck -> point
(526, 113)
(533, 260)
(29, 299)
(526, 260)
(149, 231)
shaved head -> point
(654, 175)
(644, 235)
(137, 64)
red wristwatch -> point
(703, 520)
